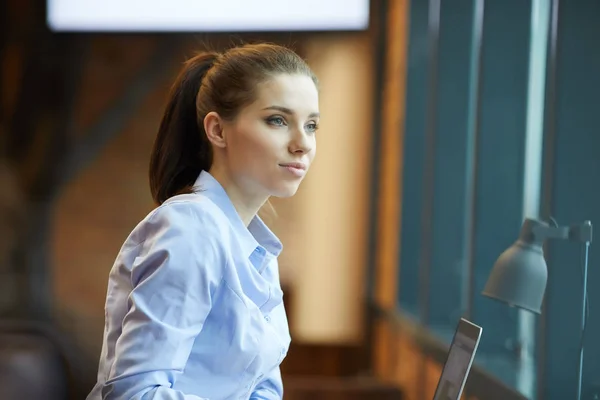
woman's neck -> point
(246, 205)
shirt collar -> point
(257, 237)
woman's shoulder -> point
(189, 216)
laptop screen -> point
(459, 361)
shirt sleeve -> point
(270, 388)
(173, 277)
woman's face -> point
(271, 144)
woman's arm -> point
(173, 279)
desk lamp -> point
(519, 276)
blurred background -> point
(445, 124)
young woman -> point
(194, 307)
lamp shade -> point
(520, 274)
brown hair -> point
(210, 81)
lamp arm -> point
(579, 233)
(542, 232)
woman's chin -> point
(286, 190)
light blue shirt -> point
(194, 308)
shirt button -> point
(267, 318)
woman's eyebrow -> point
(288, 111)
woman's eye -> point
(277, 121)
(312, 127)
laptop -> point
(459, 360)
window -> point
(501, 123)
(468, 122)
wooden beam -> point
(33, 41)
(58, 112)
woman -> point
(194, 307)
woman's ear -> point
(214, 128)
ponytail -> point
(181, 149)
